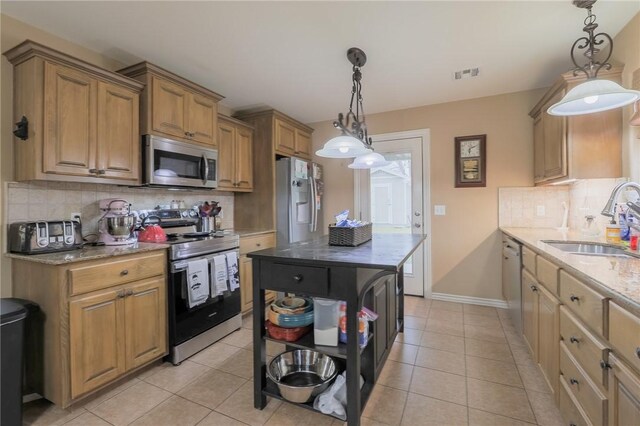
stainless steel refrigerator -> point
(299, 191)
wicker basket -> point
(352, 237)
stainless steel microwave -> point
(166, 162)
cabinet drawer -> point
(257, 242)
(529, 260)
(547, 274)
(584, 302)
(624, 334)
(569, 408)
(584, 346)
(303, 279)
(583, 389)
(110, 273)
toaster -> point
(44, 236)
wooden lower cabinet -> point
(96, 329)
(548, 337)
(624, 394)
(530, 312)
(248, 244)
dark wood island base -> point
(316, 269)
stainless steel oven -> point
(166, 162)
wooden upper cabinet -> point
(83, 120)
(175, 107)
(303, 144)
(578, 147)
(285, 138)
(235, 155)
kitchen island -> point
(368, 275)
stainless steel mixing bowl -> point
(120, 227)
(302, 374)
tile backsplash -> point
(58, 200)
(518, 207)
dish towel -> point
(197, 280)
(232, 267)
(219, 276)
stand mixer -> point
(117, 224)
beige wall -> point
(466, 242)
(626, 50)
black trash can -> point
(12, 320)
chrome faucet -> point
(610, 208)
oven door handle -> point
(179, 266)
(205, 169)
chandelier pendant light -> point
(594, 95)
(353, 140)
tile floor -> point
(455, 364)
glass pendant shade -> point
(593, 96)
(369, 161)
(343, 146)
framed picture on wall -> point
(471, 161)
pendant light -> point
(593, 95)
(353, 140)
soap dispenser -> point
(590, 226)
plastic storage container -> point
(325, 321)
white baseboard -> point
(495, 303)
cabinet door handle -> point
(574, 298)
(574, 381)
(258, 245)
(638, 351)
(128, 292)
(534, 288)
(574, 339)
(124, 272)
(102, 172)
(120, 294)
(95, 171)
(298, 277)
(604, 365)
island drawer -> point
(624, 334)
(547, 274)
(584, 302)
(110, 272)
(585, 392)
(311, 280)
(569, 407)
(584, 346)
(257, 242)
(529, 260)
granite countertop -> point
(615, 277)
(252, 232)
(88, 253)
(384, 251)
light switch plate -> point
(439, 210)
(540, 211)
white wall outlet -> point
(439, 210)
(540, 211)
(76, 216)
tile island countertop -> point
(88, 253)
(614, 277)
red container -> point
(286, 334)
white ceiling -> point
(291, 55)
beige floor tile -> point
(239, 338)
(111, 391)
(500, 399)
(439, 326)
(439, 385)
(483, 333)
(130, 404)
(216, 419)
(441, 360)
(212, 388)
(503, 313)
(385, 405)
(240, 364)
(545, 409)
(174, 411)
(482, 418)
(489, 350)
(247, 322)
(43, 412)
(444, 342)
(416, 311)
(275, 348)
(403, 353)
(215, 354)
(152, 369)
(493, 371)
(444, 315)
(396, 375)
(482, 321)
(175, 378)
(416, 323)
(448, 306)
(87, 419)
(240, 406)
(480, 310)
(521, 355)
(424, 411)
(410, 336)
(532, 377)
(292, 415)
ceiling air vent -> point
(468, 73)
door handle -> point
(417, 214)
(417, 225)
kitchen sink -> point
(590, 249)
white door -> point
(404, 211)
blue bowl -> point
(290, 321)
